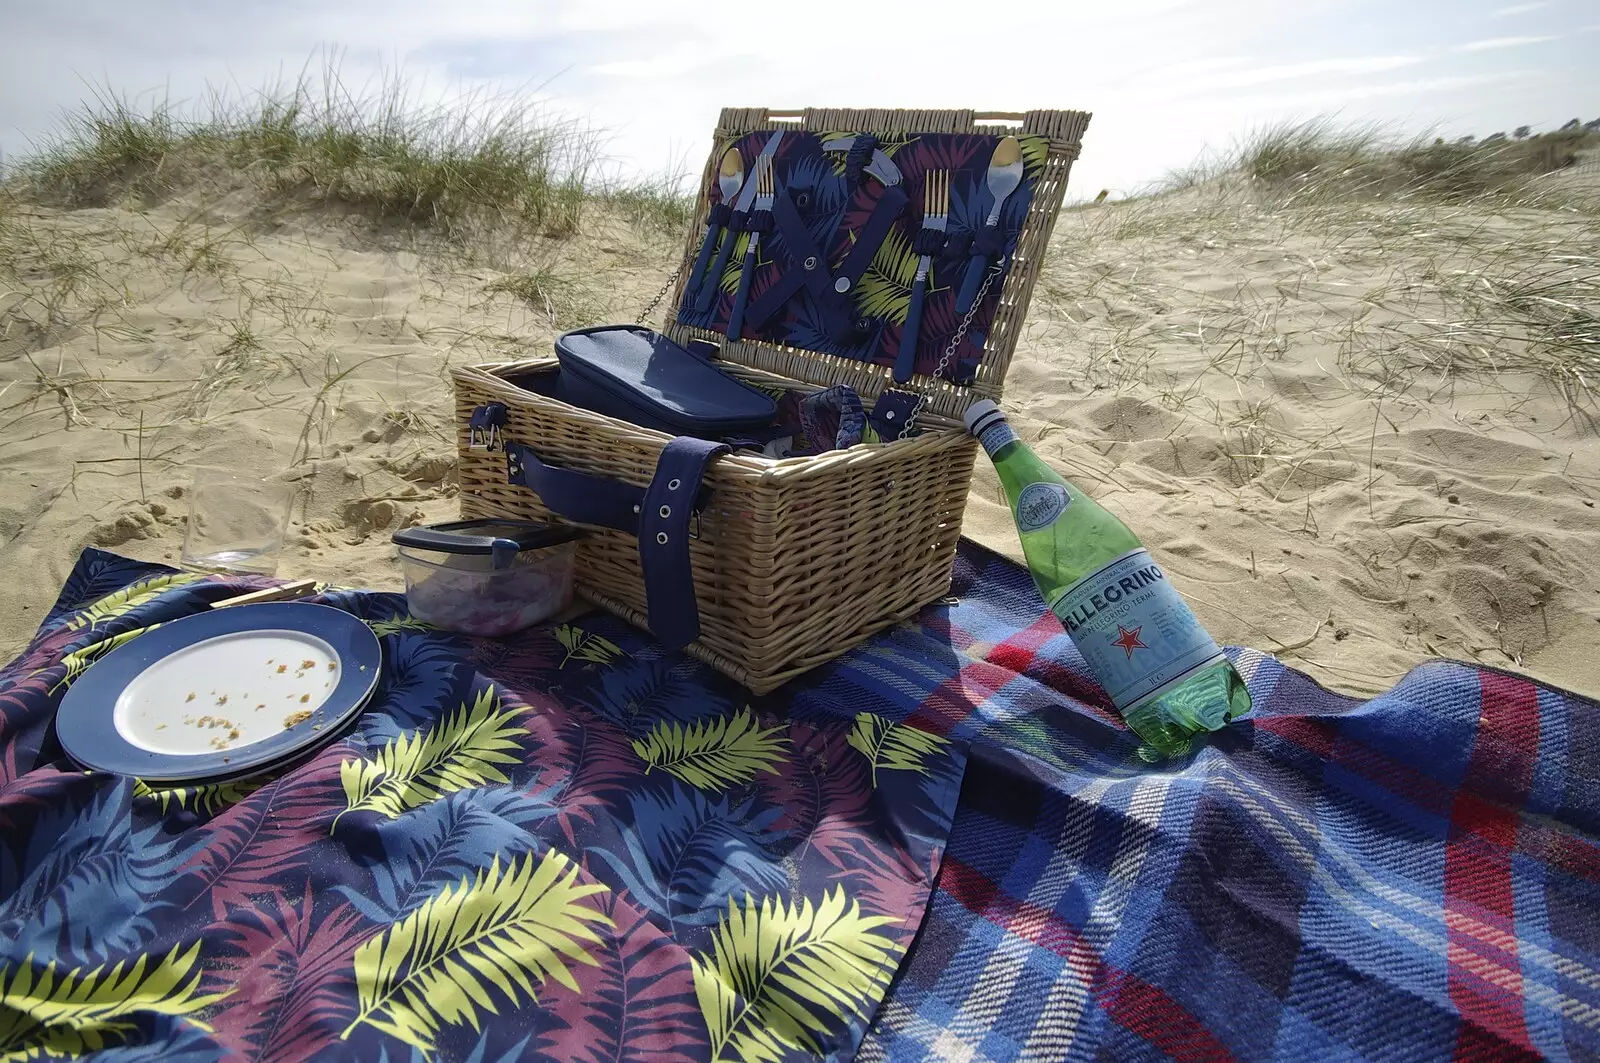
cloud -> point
(1335, 98)
(1315, 68)
(1500, 42)
(667, 65)
(1518, 9)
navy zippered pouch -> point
(640, 376)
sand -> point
(1221, 376)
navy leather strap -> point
(837, 318)
(575, 496)
(660, 515)
(808, 268)
(870, 236)
(664, 539)
(928, 242)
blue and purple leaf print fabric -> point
(561, 845)
(834, 209)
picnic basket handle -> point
(659, 515)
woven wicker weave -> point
(801, 559)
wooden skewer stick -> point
(300, 588)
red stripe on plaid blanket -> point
(1141, 1008)
(1129, 1001)
(1538, 840)
(951, 703)
(1315, 736)
(1485, 978)
(1021, 654)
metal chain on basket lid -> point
(662, 294)
(950, 350)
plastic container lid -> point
(502, 539)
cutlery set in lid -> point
(871, 247)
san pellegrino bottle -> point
(1163, 671)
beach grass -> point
(662, 203)
(1320, 158)
(559, 295)
(462, 167)
(1483, 262)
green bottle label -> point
(1133, 629)
(1039, 505)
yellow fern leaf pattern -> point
(130, 597)
(462, 750)
(583, 646)
(781, 978)
(208, 798)
(82, 1010)
(713, 754)
(78, 661)
(397, 624)
(497, 936)
(1035, 153)
(729, 281)
(885, 288)
(893, 746)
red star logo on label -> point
(1129, 640)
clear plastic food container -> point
(487, 577)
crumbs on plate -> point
(294, 719)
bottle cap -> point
(980, 415)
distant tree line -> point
(1523, 132)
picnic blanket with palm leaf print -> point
(561, 845)
(1413, 877)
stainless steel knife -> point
(747, 194)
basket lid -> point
(1049, 142)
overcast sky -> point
(1164, 78)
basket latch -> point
(483, 427)
(892, 413)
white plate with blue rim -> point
(223, 693)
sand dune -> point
(1294, 406)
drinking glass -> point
(236, 522)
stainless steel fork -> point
(935, 216)
(766, 191)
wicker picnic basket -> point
(796, 560)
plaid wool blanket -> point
(1412, 877)
(1415, 877)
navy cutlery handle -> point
(976, 265)
(905, 362)
(708, 292)
(699, 271)
(736, 318)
